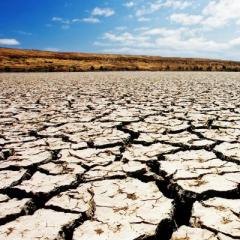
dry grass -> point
(17, 60)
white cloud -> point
(129, 4)
(221, 12)
(91, 20)
(191, 44)
(66, 23)
(159, 41)
(57, 19)
(143, 19)
(164, 32)
(198, 35)
(76, 20)
(105, 12)
(186, 19)
(154, 6)
(235, 42)
(96, 12)
(9, 41)
(177, 4)
(61, 20)
(148, 9)
(126, 39)
(216, 14)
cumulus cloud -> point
(129, 4)
(235, 42)
(148, 9)
(157, 41)
(98, 12)
(93, 18)
(177, 4)
(216, 14)
(164, 33)
(153, 6)
(126, 37)
(186, 19)
(9, 41)
(193, 30)
(105, 12)
(221, 12)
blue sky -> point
(182, 28)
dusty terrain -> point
(120, 156)
(19, 60)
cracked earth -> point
(120, 156)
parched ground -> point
(120, 156)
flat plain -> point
(120, 156)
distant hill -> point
(18, 60)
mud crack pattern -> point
(122, 156)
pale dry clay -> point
(122, 156)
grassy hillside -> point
(17, 60)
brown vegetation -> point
(18, 60)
